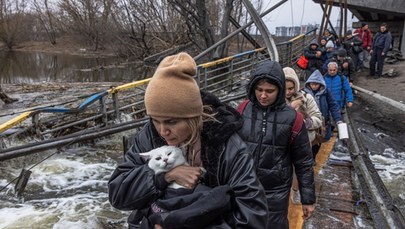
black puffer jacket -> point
(267, 131)
(133, 185)
(313, 61)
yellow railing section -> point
(15, 121)
(128, 86)
(22, 117)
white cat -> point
(164, 159)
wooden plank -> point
(295, 210)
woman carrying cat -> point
(181, 115)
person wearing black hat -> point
(365, 35)
(381, 45)
(345, 64)
(352, 44)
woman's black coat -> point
(133, 185)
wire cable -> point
(303, 12)
(292, 14)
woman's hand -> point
(345, 65)
(308, 210)
(184, 175)
(296, 104)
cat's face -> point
(164, 158)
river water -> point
(28, 67)
(69, 189)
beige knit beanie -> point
(173, 91)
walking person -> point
(206, 129)
(270, 132)
(339, 86)
(316, 86)
(381, 45)
(364, 33)
(346, 66)
(304, 103)
(353, 46)
(330, 36)
(313, 53)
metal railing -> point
(225, 78)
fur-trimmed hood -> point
(229, 119)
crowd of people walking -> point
(251, 160)
(350, 52)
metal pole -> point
(384, 99)
(264, 31)
(323, 26)
(236, 31)
(116, 106)
(330, 23)
(103, 110)
(345, 16)
(35, 122)
(29, 149)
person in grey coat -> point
(267, 131)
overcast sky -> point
(299, 12)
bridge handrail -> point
(97, 96)
(204, 72)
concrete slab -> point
(391, 87)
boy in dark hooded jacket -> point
(314, 55)
(268, 124)
(316, 86)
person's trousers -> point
(377, 58)
(277, 202)
(315, 150)
(360, 62)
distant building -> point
(292, 31)
(281, 31)
(308, 28)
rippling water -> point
(68, 190)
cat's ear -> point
(145, 156)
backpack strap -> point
(242, 106)
(299, 119)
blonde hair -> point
(196, 124)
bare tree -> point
(87, 18)
(138, 28)
(13, 26)
(196, 17)
(222, 51)
(152, 26)
(46, 18)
